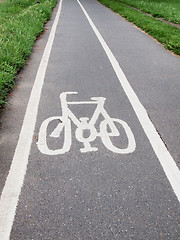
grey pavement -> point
(97, 194)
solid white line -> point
(167, 162)
(14, 181)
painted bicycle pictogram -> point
(107, 129)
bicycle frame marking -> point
(82, 125)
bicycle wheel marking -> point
(82, 125)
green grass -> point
(166, 34)
(21, 21)
(166, 9)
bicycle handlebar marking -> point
(82, 125)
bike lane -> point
(99, 194)
(152, 71)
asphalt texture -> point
(99, 194)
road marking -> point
(167, 162)
(84, 124)
(14, 181)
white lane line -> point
(14, 181)
(167, 162)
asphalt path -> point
(95, 146)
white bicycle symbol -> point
(84, 124)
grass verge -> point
(21, 21)
(166, 34)
(166, 9)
